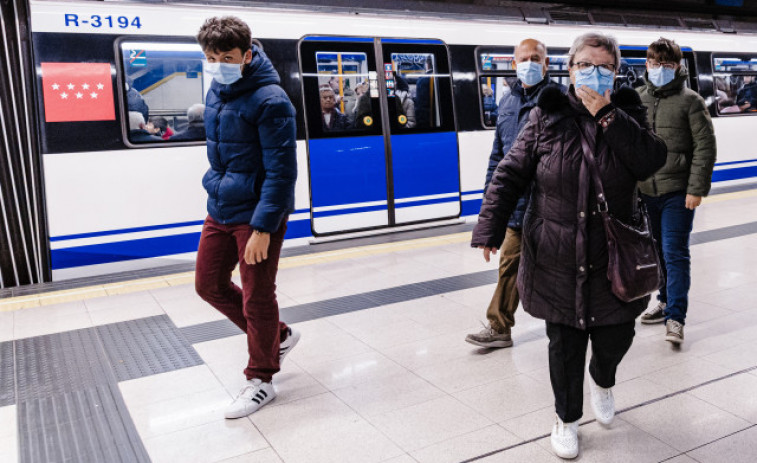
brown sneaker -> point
(654, 314)
(674, 332)
(489, 337)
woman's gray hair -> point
(597, 40)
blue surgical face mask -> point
(530, 73)
(224, 73)
(661, 76)
(595, 80)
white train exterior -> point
(113, 205)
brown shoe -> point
(674, 332)
(489, 337)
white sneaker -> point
(252, 396)
(565, 439)
(602, 403)
(286, 346)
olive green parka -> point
(679, 116)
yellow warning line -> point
(144, 284)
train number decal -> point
(96, 21)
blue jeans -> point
(671, 226)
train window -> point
(344, 91)
(735, 84)
(412, 91)
(497, 75)
(164, 91)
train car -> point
(121, 194)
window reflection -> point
(162, 81)
(735, 81)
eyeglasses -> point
(587, 68)
(656, 65)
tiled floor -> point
(397, 383)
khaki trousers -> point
(501, 311)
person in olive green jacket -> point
(680, 117)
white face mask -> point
(224, 73)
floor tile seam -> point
(626, 409)
(751, 425)
(368, 421)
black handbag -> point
(633, 266)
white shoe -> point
(249, 400)
(286, 346)
(565, 439)
(602, 403)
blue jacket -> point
(512, 115)
(251, 134)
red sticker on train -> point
(77, 92)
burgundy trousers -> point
(253, 307)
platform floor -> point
(382, 373)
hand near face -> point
(592, 100)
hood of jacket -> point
(258, 73)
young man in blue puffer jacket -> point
(251, 137)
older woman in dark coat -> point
(563, 273)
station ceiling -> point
(727, 16)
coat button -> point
(592, 318)
(581, 321)
(582, 214)
(581, 268)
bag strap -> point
(592, 163)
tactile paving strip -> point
(723, 233)
(146, 346)
(7, 376)
(58, 363)
(90, 424)
(340, 305)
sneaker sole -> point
(493, 344)
(652, 321)
(236, 416)
(674, 340)
(563, 455)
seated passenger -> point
(196, 124)
(746, 98)
(138, 129)
(160, 127)
(405, 103)
(362, 106)
(134, 100)
(728, 106)
(331, 117)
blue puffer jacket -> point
(251, 133)
(512, 115)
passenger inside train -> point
(195, 128)
(139, 131)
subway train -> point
(416, 98)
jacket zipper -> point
(218, 152)
(654, 127)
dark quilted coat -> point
(251, 134)
(512, 115)
(563, 271)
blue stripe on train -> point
(158, 246)
(177, 244)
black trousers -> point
(567, 360)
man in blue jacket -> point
(531, 63)
(251, 136)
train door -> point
(382, 145)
